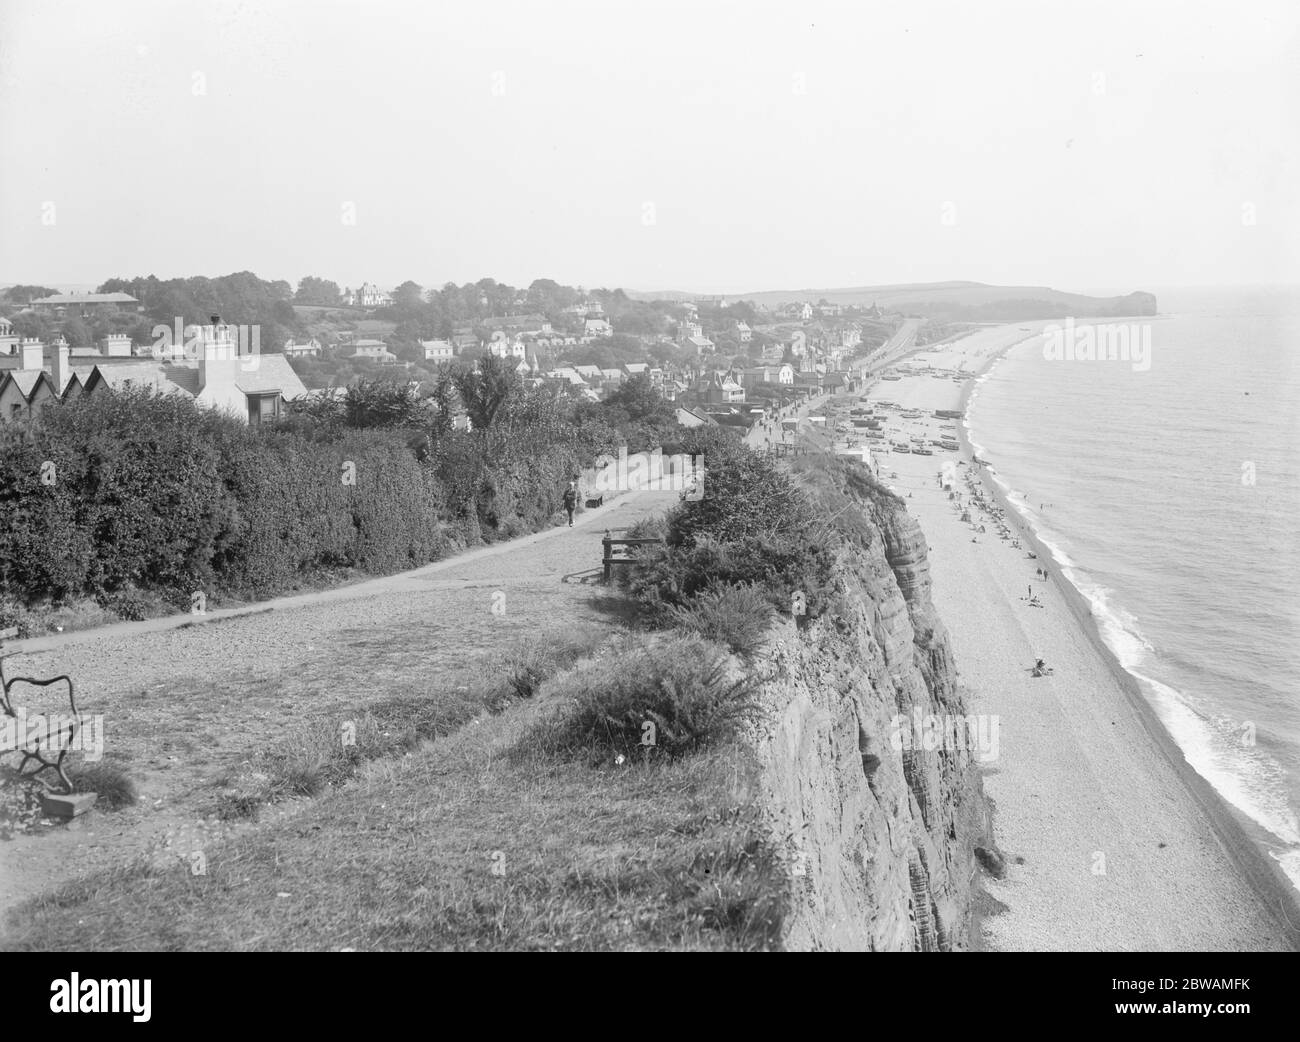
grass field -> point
(457, 845)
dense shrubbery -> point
(755, 530)
(151, 492)
(134, 491)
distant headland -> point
(954, 301)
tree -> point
(312, 290)
(485, 390)
(76, 332)
(409, 296)
(26, 294)
(383, 403)
(640, 400)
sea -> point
(1167, 486)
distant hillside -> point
(970, 301)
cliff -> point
(879, 838)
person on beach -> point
(571, 500)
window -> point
(263, 408)
(16, 412)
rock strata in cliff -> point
(878, 830)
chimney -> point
(31, 353)
(58, 365)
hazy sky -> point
(707, 146)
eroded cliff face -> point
(879, 837)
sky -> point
(704, 146)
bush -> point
(519, 673)
(734, 616)
(677, 691)
(779, 566)
(114, 786)
(745, 495)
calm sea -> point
(1171, 498)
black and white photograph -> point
(651, 477)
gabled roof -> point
(24, 379)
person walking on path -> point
(571, 500)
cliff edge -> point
(878, 828)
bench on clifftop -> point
(42, 740)
(625, 554)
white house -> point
(368, 296)
(311, 349)
(437, 350)
(376, 350)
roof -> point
(272, 373)
(185, 377)
(24, 379)
(116, 375)
(88, 298)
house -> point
(368, 296)
(721, 389)
(42, 372)
(464, 342)
(438, 350)
(597, 327)
(767, 374)
(19, 400)
(673, 388)
(566, 375)
(631, 369)
(311, 349)
(376, 350)
(700, 343)
(505, 346)
(252, 387)
(590, 373)
(614, 376)
(744, 332)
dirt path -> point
(186, 705)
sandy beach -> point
(1111, 842)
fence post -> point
(608, 544)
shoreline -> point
(1265, 876)
(1109, 844)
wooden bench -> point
(611, 559)
(49, 746)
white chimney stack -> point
(58, 365)
(32, 353)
